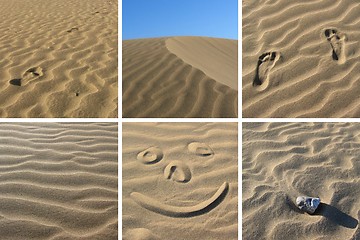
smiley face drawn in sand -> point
(179, 172)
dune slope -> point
(58, 181)
(58, 58)
(180, 181)
(282, 161)
(301, 58)
(180, 77)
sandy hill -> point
(180, 77)
(301, 58)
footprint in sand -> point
(30, 74)
(337, 42)
(265, 63)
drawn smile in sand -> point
(179, 172)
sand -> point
(301, 58)
(284, 160)
(58, 58)
(180, 181)
(180, 77)
(58, 181)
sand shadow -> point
(331, 213)
(16, 82)
(336, 216)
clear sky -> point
(159, 18)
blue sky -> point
(159, 18)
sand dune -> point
(180, 181)
(284, 160)
(58, 181)
(301, 58)
(58, 58)
(180, 77)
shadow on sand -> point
(336, 216)
(329, 212)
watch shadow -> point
(336, 216)
(329, 212)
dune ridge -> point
(161, 78)
(315, 72)
(59, 58)
(184, 195)
(282, 161)
(58, 181)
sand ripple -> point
(317, 73)
(284, 160)
(158, 82)
(58, 58)
(58, 181)
(184, 195)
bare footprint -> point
(265, 63)
(337, 42)
(30, 74)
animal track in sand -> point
(180, 172)
(337, 42)
(31, 73)
(266, 63)
(200, 149)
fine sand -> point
(58, 181)
(58, 58)
(284, 160)
(180, 181)
(180, 77)
(301, 58)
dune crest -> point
(216, 57)
(158, 83)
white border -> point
(240, 121)
(120, 120)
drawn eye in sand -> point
(150, 155)
(180, 172)
(200, 149)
